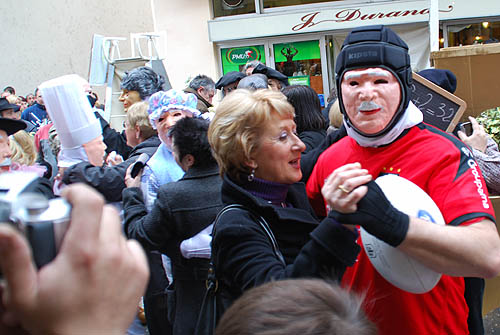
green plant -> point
(490, 120)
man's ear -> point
(188, 161)
(137, 131)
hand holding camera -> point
(473, 134)
(95, 271)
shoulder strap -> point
(270, 235)
(262, 223)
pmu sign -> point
(242, 55)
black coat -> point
(181, 210)
(109, 181)
(309, 158)
(312, 138)
(244, 256)
(114, 140)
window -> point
(283, 3)
(301, 62)
(473, 33)
(233, 7)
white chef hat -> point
(70, 110)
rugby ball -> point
(396, 267)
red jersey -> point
(445, 169)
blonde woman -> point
(24, 154)
(253, 138)
(23, 149)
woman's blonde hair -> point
(235, 130)
(23, 148)
(137, 115)
(12, 99)
(335, 115)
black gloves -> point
(377, 216)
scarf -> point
(411, 117)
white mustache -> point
(368, 105)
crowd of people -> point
(261, 194)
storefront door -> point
(300, 61)
(304, 60)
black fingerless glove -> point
(377, 216)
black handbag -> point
(212, 305)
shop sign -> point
(242, 55)
(359, 14)
(299, 80)
(389, 13)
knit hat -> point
(70, 111)
(375, 46)
(443, 78)
(165, 101)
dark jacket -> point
(109, 181)
(114, 140)
(202, 104)
(312, 138)
(41, 186)
(181, 210)
(308, 160)
(30, 127)
(244, 257)
(35, 114)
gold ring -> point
(343, 189)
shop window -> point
(473, 33)
(233, 7)
(283, 3)
(301, 62)
(233, 59)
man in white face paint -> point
(386, 135)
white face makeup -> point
(371, 98)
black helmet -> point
(375, 46)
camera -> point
(44, 222)
(466, 128)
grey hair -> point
(253, 63)
(204, 81)
(254, 82)
(143, 80)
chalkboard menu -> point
(441, 109)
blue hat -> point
(443, 78)
(165, 101)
